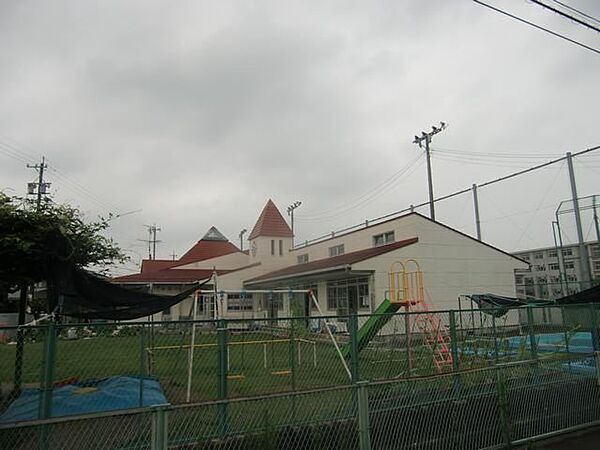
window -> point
(595, 251)
(538, 255)
(340, 293)
(303, 259)
(275, 300)
(567, 252)
(571, 277)
(280, 247)
(553, 266)
(540, 268)
(552, 254)
(596, 265)
(525, 257)
(272, 247)
(239, 302)
(569, 265)
(542, 280)
(336, 250)
(383, 239)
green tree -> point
(36, 242)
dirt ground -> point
(583, 440)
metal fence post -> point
(364, 427)
(503, 408)
(160, 430)
(222, 382)
(45, 406)
(454, 352)
(495, 334)
(532, 341)
(47, 380)
(595, 338)
(143, 370)
(353, 330)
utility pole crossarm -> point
(290, 211)
(419, 141)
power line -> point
(348, 206)
(576, 11)
(561, 13)
(512, 16)
(451, 195)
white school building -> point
(348, 272)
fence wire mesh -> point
(449, 379)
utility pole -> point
(419, 141)
(596, 223)
(241, 235)
(290, 212)
(151, 241)
(40, 188)
(584, 259)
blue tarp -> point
(90, 396)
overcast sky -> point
(197, 112)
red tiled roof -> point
(271, 223)
(205, 249)
(154, 265)
(335, 261)
(168, 276)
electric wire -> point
(561, 13)
(573, 41)
(581, 13)
(351, 205)
(19, 154)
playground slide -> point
(370, 328)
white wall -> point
(452, 264)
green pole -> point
(160, 434)
(222, 383)
(495, 334)
(454, 352)
(292, 354)
(503, 408)
(45, 404)
(532, 341)
(45, 407)
(18, 378)
(353, 330)
(364, 427)
(143, 371)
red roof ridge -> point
(271, 223)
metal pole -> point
(364, 427)
(222, 355)
(429, 178)
(353, 329)
(20, 343)
(142, 364)
(596, 222)
(191, 352)
(476, 206)
(454, 351)
(328, 328)
(160, 428)
(583, 254)
(561, 263)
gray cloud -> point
(198, 112)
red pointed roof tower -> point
(271, 223)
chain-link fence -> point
(449, 379)
(483, 408)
